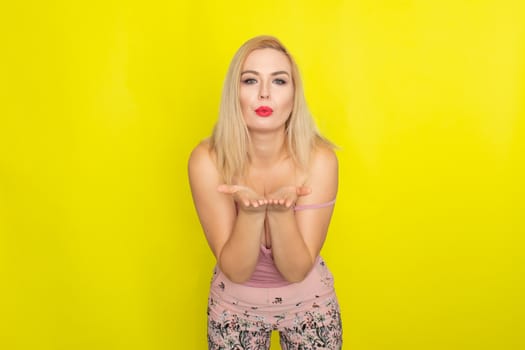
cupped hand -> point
(285, 197)
(245, 197)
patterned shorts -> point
(306, 314)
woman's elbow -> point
(296, 276)
(236, 276)
(298, 273)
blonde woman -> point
(264, 186)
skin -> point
(258, 209)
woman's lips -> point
(264, 111)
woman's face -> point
(266, 90)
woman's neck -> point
(266, 149)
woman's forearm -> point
(240, 253)
(290, 253)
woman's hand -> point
(280, 200)
(246, 198)
(285, 197)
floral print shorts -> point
(306, 314)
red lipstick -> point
(264, 111)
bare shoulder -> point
(201, 157)
(201, 152)
(323, 160)
(202, 168)
(322, 176)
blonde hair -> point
(230, 138)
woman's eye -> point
(249, 81)
(280, 81)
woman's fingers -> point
(278, 201)
(247, 201)
(244, 196)
(284, 197)
(287, 201)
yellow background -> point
(102, 101)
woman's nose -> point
(264, 92)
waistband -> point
(317, 283)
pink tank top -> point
(266, 274)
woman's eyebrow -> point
(257, 73)
(250, 71)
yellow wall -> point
(101, 103)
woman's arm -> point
(297, 237)
(234, 238)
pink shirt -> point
(266, 274)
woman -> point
(264, 186)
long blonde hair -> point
(230, 138)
